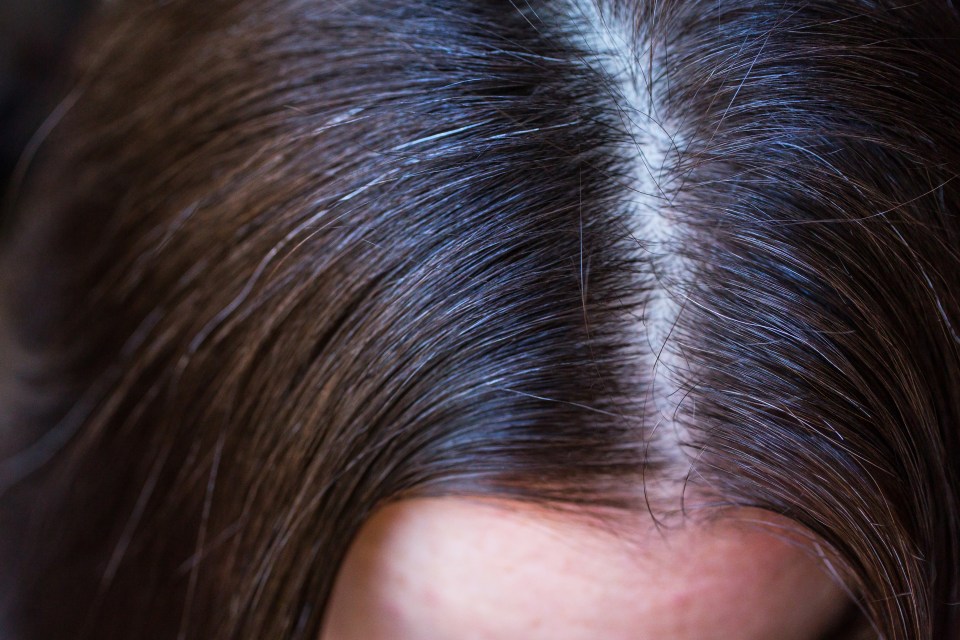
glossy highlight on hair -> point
(281, 262)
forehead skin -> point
(462, 569)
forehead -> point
(455, 568)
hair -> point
(278, 263)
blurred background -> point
(35, 38)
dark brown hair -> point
(279, 262)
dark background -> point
(35, 39)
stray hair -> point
(279, 263)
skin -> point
(465, 569)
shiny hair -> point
(280, 262)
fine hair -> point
(276, 263)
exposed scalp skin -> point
(283, 262)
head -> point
(612, 298)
